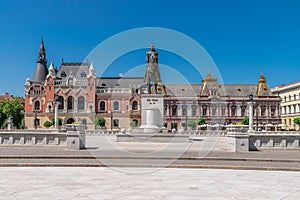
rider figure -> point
(152, 73)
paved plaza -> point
(145, 183)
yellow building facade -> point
(290, 104)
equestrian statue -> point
(152, 73)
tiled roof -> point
(120, 82)
(239, 90)
(75, 69)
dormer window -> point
(70, 81)
(63, 74)
(83, 74)
(103, 85)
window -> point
(165, 110)
(134, 105)
(70, 102)
(233, 111)
(290, 110)
(184, 111)
(272, 111)
(63, 74)
(204, 111)
(295, 97)
(223, 111)
(116, 106)
(213, 111)
(70, 81)
(83, 74)
(194, 111)
(116, 123)
(81, 103)
(290, 98)
(243, 111)
(37, 105)
(294, 108)
(174, 110)
(102, 106)
(84, 122)
(263, 111)
(284, 98)
(61, 102)
(284, 110)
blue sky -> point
(243, 37)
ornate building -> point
(83, 97)
(221, 105)
(290, 104)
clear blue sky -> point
(243, 37)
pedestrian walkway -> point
(145, 183)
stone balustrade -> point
(32, 138)
(101, 132)
(274, 140)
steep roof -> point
(78, 70)
(41, 69)
(120, 82)
(239, 90)
(183, 90)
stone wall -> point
(32, 138)
(274, 140)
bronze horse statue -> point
(152, 73)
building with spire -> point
(83, 97)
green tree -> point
(297, 121)
(201, 121)
(245, 121)
(59, 122)
(133, 123)
(12, 109)
(192, 124)
(100, 122)
(47, 124)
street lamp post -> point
(56, 104)
(111, 120)
(250, 103)
(35, 120)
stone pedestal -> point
(76, 140)
(238, 141)
(152, 111)
(152, 128)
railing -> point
(101, 132)
(32, 138)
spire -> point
(41, 70)
(92, 71)
(51, 71)
(262, 87)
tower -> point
(41, 70)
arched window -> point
(233, 110)
(81, 103)
(37, 105)
(116, 106)
(61, 102)
(174, 110)
(63, 74)
(134, 105)
(102, 106)
(70, 102)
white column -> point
(56, 115)
(250, 115)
